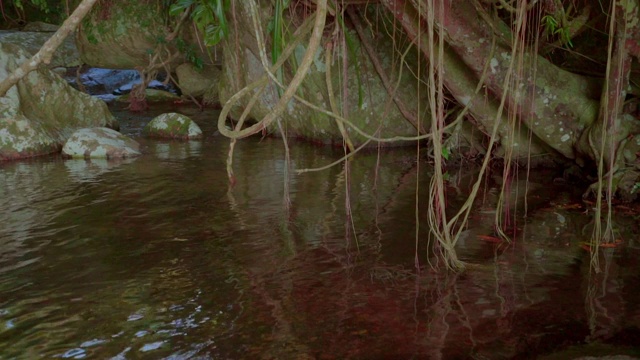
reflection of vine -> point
(260, 85)
(239, 132)
(389, 274)
(464, 318)
(438, 329)
(602, 322)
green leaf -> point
(208, 16)
(92, 39)
(179, 7)
(446, 153)
(352, 47)
(213, 35)
(198, 63)
(550, 24)
(278, 42)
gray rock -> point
(39, 26)
(173, 126)
(39, 114)
(100, 143)
(106, 81)
(367, 102)
(124, 38)
(197, 83)
(21, 137)
(65, 56)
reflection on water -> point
(154, 258)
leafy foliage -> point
(41, 5)
(553, 28)
(276, 27)
(51, 11)
(189, 53)
(208, 15)
(277, 30)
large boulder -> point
(99, 81)
(100, 143)
(130, 34)
(107, 84)
(120, 35)
(39, 26)
(123, 34)
(199, 83)
(368, 103)
(39, 113)
(173, 126)
(65, 56)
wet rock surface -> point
(173, 126)
(39, 113)
(199, 83)
(100, 143)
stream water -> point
(154, 258)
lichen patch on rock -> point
(100, 143)
(173, 126)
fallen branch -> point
(44, 55)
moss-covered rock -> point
(66, 55)
(368, 104)
(199, 83)
(120, 35)
(39, 26)
(20, 137)
(135, 35)
(40, 113)
(100, 143)
(173, 126)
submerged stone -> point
(173, 126)
(89, 170)
(100, 143)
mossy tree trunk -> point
(562, 111)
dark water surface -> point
(153, 258)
